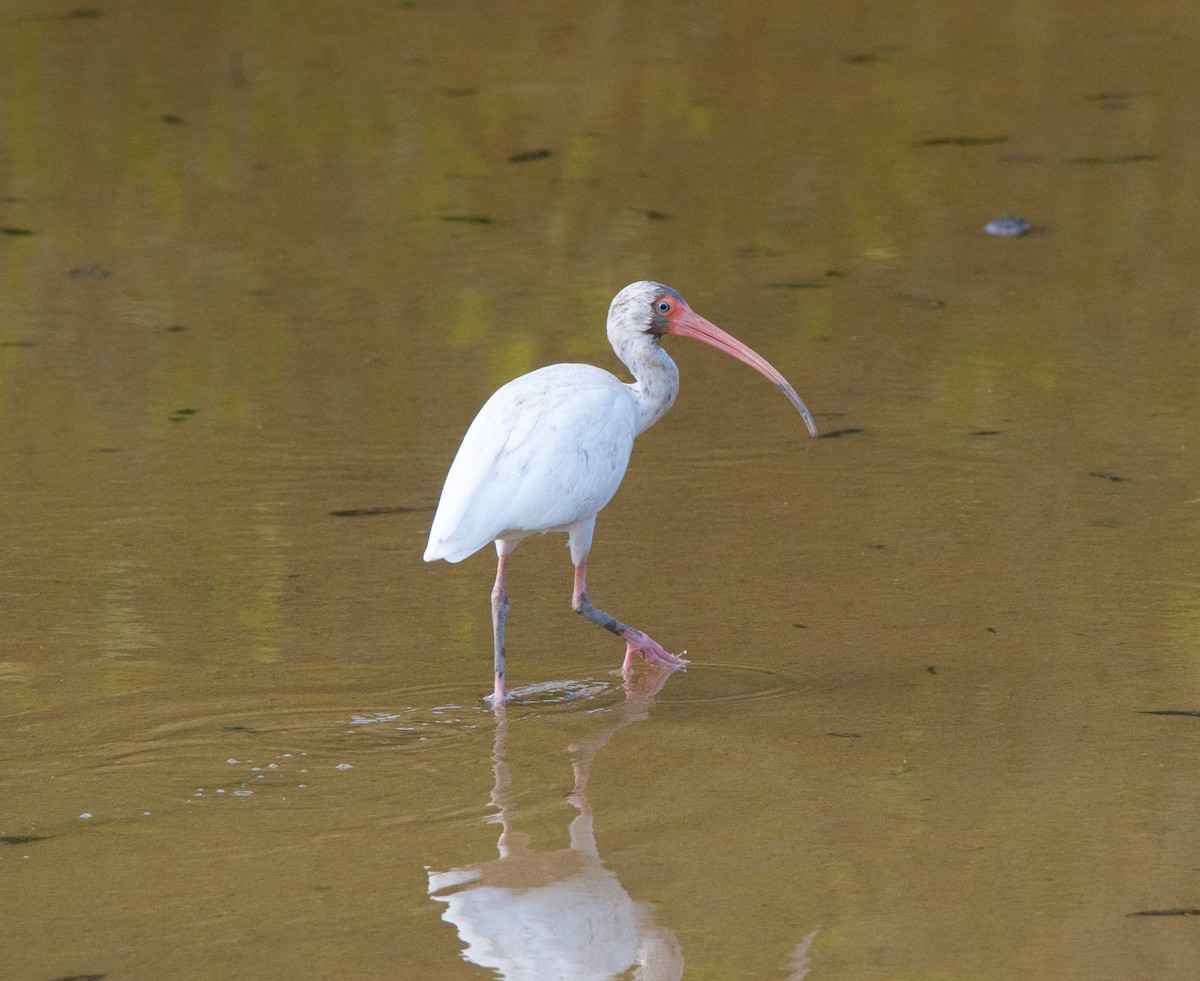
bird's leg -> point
(499, 615)
(636, 642)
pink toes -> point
(649, 651)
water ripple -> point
(712, 682)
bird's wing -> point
(546, 450)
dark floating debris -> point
(466, 219)
(179, 415)
(1115, 100)
(175, 329)
(172, 120)
(882, 53)
(657, 215)
(21, 232)
(922, 302)
(992, 630)
(94, 271)
(1106, 475)
(987, 432)
(756, 252)
(800, 626)
(963, 141)
(369, 512)
(845, 735)
(931, 669)
(838, 433)
(22, 839)
(1172, 911)
(526, 156)
(1189, 713)
(1007, 226)
(1126, 158)
(18, 343)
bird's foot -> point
(648, 650)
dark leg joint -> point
(582, 605)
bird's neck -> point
(655, 386)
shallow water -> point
(260, 268)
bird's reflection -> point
(558, 914)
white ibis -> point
(548, 450)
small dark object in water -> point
(1007, 226)
(172, 120)
(94, 271)
(181, 414)
(1106, 475)
(845, 735)
(1190, 713)
(797, 284)
(176, 328)
(468, 219)
(835, 433)
(882, 53)
(368, 512)
(22, 839)
(1123, 158)
(83, 977)
(1173, 911)
(987, 432)
(527, 155)
(963, 141)
(922, 302)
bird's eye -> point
(663, 306)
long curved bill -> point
(688, 323)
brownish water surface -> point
(260, 265)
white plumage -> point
(548, 451)
(545, 453)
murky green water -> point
(260, 265)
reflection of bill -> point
(553, 915)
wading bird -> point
(548, 451)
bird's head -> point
(653, 310)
